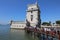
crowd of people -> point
(45, 31)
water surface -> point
(12, 34)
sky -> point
(16, 10)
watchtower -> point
(33, 15)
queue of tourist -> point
(45, 31)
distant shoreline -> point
(18, 28)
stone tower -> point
(33, 15)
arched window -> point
(31, 17)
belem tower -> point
(32, 16)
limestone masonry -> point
(32, 16)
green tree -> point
(58, 22)
(46, 23)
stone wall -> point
(20, 25)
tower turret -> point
(33, 15)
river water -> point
(12, 34)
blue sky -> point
(16, 10)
